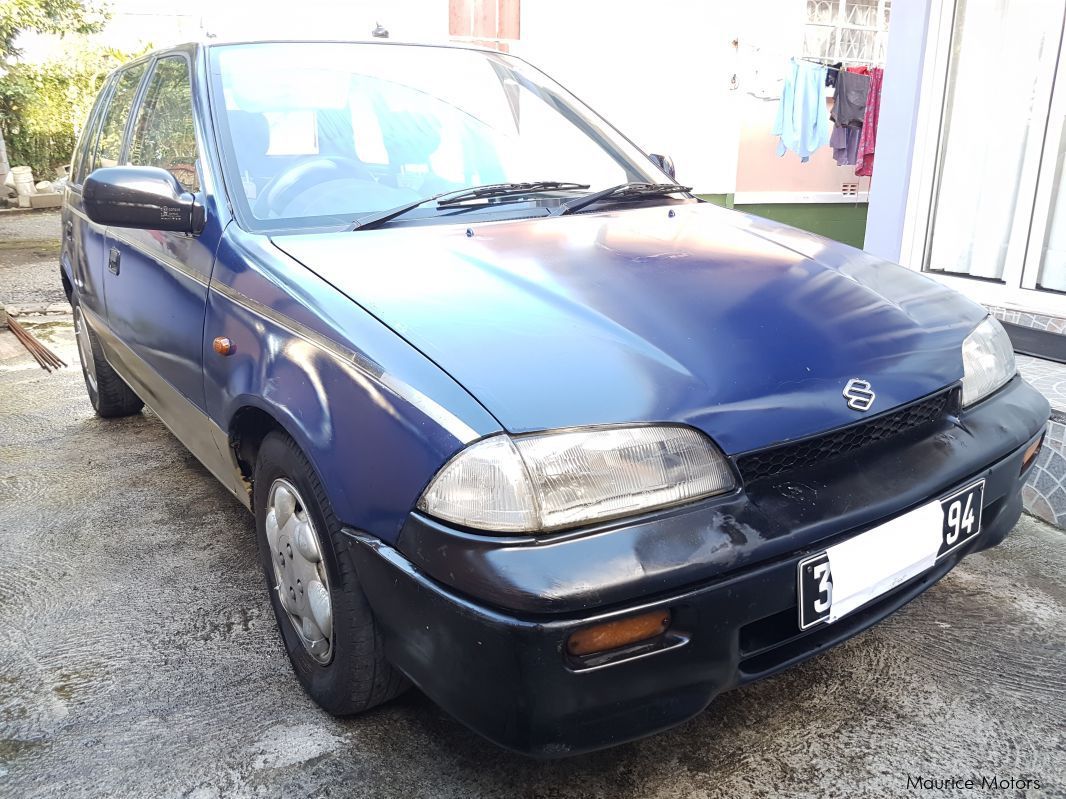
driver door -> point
(156, 281)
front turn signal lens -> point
(616, 634)
(1032, 452)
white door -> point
(998, 157)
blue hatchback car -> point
(521, 420)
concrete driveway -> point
(138, 654)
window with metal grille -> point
(852, 31)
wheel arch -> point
(68, 287)
(249, 425)
(372, 468)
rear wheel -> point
(324, 619)
(108, 393)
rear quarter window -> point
(82, 153)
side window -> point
(164, 134)
(109, 147)
(83, 152)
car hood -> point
(744, 328)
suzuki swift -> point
(521, 420)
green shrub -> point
(44, 106)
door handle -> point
(113, 259)
(69, 228)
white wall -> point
(897, 128)
(658, 71)
(406, 20)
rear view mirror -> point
(141, 197)
(665, 163)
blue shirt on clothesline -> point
(802, 117)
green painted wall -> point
(844, 222)
(724, 200)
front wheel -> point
(324, 618)
(108, 393)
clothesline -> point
(821, 62)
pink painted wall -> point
(759, 168)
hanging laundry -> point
(868, 138)
(849, 105)
(802, 118)
(831, 72)
(849, 108)
(845, 144)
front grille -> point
(826, 447)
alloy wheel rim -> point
(85, 349)
(299, 571)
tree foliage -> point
(44, 106)
(46, 16)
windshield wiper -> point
(446, 198)
(624, 191)
(511, 190)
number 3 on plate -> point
(815, 587)
(825, 588)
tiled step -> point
(1037, 321)
(1045, 492)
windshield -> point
(319, 134)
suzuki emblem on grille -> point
(859, 394)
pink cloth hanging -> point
(868, 138)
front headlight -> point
(548, 481)
(987, 361)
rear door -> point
(156, 281)
(73, 256)
(83, 239)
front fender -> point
(374, 416)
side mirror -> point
(665, 163)
(142, 197)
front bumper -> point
(495, 658)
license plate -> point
(834, 582)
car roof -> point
(192, 46)
(209, 43)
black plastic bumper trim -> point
(506, 675)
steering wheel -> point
(291, 183)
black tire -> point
(111, 396)
(357, 676)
